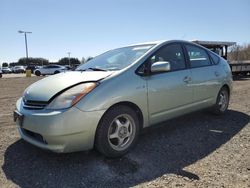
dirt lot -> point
(198, 150)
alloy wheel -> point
(121, 132)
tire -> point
(56, 72)
(38, 73)
(117, 131)
(222, 102)
(1, 75)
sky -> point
(88, 28)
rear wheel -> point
(117, 131)
(37, 73)
(222, 101)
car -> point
(74, 66)
(12, 69)
(19, 69)
(107, 101)
(6, 70)
(32, 68)
(49, 70)
(68, 67)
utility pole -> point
(69, 57)
(26, 43)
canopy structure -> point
(219, 47)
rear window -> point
(215, 58)
(198, 57)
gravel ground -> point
(197, 150)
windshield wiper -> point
(94, 69)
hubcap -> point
(121, 132)
(223, 100)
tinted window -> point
(197, 56)
(47, 67)
(215, 58)
(52, 66)
(173, 54)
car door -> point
(55, 68)
(169, 93)
(204, 75)
(44, 70)
(51, 69)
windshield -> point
(115, 59)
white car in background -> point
(6, 70)
(49, 70)
(19, 69)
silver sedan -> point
(107, 101)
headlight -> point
(71, 96)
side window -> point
(173, 54)
(197, 56)
(215, 58)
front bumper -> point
(60, 131)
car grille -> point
(34, 105)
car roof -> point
(158, 42)
(148, 43)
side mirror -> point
(160, 66)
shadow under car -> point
(167, 149)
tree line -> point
(42, 61)
(239, 53)
(73, 62)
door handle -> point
(187, 79)
(216, 74)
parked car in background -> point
(19, 69)
(68, 67)
(75, 66)
(32, 68)
(108, 101)
(6, 70)
(50, 69)
(12, 69)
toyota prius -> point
(107, 101)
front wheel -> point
(222, 102)
(117, 131)
(37, 73)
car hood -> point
(45, 89)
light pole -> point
(69, 57)
(26, 45)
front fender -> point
(126, 87)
